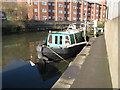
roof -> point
(66, 32)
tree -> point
(15, 10)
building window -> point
(74, 13)
(88, 9)
(68, 12)
(53, 4)
(103, 15)
(74, 7)
(35, 2)
(44, 3)
(53, 11)
(49, 10)
(74, 18)
(44, 17)
(35, 10)
(67, 6)
(84, 3)
(60, 11)
(60, 5)
(64, 12)
(97, 15)
(85, 8)
(88, 14)
(67, 18)
(96, 10)
(44, 10)
(50, 17)
(49, 4)
(35, 17)
(97, 5)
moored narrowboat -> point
(63, 44)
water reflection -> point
(20, 74)
(16, 47)
(52, 69)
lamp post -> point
(95, 27)
(85, 29)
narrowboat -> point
(63, 44)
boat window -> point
(77, 37)
(56, 39)
(50, 39)
(67, 41)
(72, 39)
(60, 39)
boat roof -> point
(66, 32)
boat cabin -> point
(63, 39)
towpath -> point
(95, 71)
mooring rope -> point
(58, 55)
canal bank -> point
(15, 27)
(90, 69)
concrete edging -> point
(70, 74)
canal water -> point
(16, 69)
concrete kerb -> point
(69, 76)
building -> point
(59, 10)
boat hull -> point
(63, 52)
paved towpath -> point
(95, 71)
